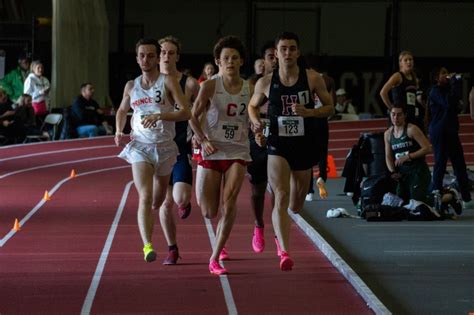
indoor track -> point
(81, 252)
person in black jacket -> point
(87, 117)
(443, 102)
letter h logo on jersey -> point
(286, 102)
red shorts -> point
(220, 166)
(40, 108)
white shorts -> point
(161, 156)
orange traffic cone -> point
(73, 174)
(16, 225)
(332, 171)
(46, 196)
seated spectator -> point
(13, 81)
(405, 150)
(86, 116)
(343, 105)
(25, 117)
(8, 127)
(207, 72)
(38, 86)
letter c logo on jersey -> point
(231, 109)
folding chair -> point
(51, 119)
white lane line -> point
(86, 307)
(229, 298)
(369, 297)
(55, 152)
(94, 139)
(51, 192)
(56, 164)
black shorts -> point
(301, 154)
(257, 169)
(182, 170)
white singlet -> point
(227, 123)
(151, 101)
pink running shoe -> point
(278, 247)
(286, 263)
(216, 269)
(258, 240)
(224, 255)
(184, 212)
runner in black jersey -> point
(257, 169)
(179, 189)
(403, 85)
(290, 90)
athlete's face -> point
(287, 52)
(270, 60)
(147, 57)
(230, 61)
(406, 62)
(397, 116)
(168, 55)
(259, 66)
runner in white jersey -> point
(179, 188)
(223, 135)
(152, 152)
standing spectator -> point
(343, 105)
(87, 117)
(443, 102)
(38, 87)
(13, 82)
(403, 86)
(207, 72)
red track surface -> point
(48, 266)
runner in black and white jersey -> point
(290, 90)
(179, 189)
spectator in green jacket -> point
(13, 81)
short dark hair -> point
(401, 106)
(229, 42)
(268, 45)
(148, 41)
(84, 85)
(287, 35)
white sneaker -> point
(309, 197)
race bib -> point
(411, 98)
(290, 126)
(229, 131)
(400, 154)
(266, 127)
(142, 116)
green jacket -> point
(12, 83)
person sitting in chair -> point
(86, 116)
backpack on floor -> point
(373, 188)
